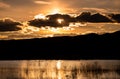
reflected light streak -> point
(59, 67)
(58, 64)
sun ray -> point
(58, 64)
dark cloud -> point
(52, 21)
(116, 17)
(9, 25)
(83, 17)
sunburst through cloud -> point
(53, 37)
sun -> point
(55, 11)
(60, 21)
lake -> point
(60, 69)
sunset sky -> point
(23, 10)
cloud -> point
(28, 8)
(9, 25)
(52, 21)
(106, 4)
(79, 10)
(83, 17)
(3, 5)
(42, 2)
(74, 4)
(19, 2)
(22, 3)
(95, 10)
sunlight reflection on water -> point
(60, 69)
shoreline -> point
(90, 46)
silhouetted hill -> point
(90, 46)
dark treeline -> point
(83, 17)
(90, 46)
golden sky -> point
(27, 9)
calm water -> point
(60, 69)
(29, 32)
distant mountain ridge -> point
(90, 46)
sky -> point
(23, 10)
